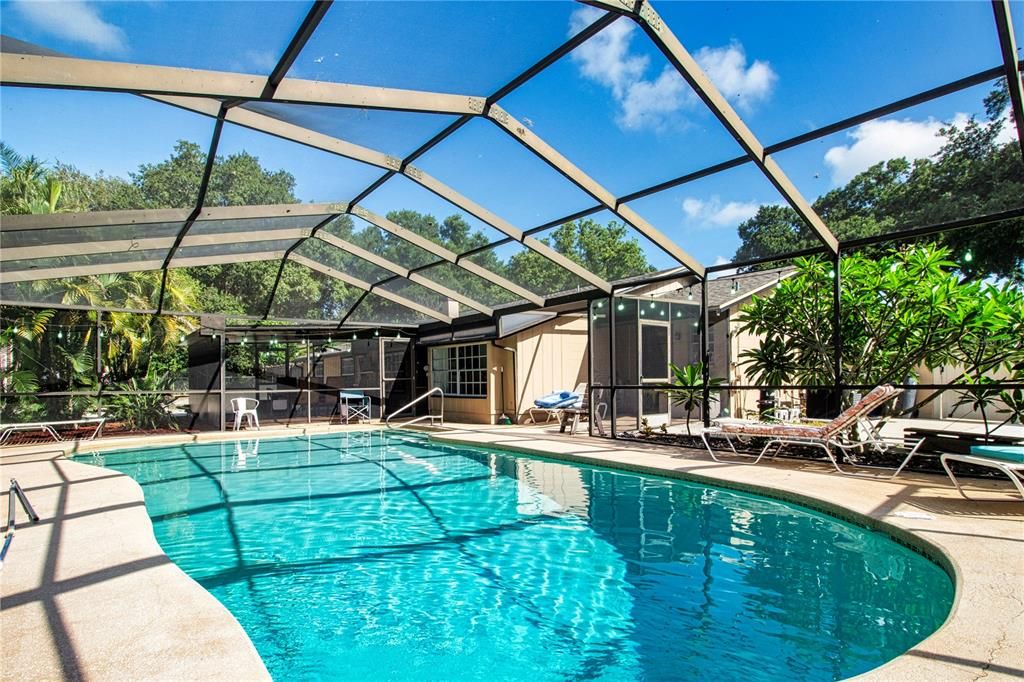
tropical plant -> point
(26, 185)
(688, 391)
(898, 311)
(979, 397)
(142, 403)
(1013, 406)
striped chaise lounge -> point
(829, 437)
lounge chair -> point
(553, 404)
(829, 437)
(1008, 459)
(50, 427)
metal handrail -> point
(16, 493)
(431, 417)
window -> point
(460, 370)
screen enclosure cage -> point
(409, 235)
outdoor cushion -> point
(877, 396)
(776, 430)
(1007, 453)
(556, 400)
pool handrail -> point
(431, 417)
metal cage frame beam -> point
(8, 276)
(143, 79)
(644, 14)
(203, 91)
(368, 287)
(1011, 65)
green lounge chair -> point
(1008, 459)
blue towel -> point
(558, 400)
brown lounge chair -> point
(830, 437)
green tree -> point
(26, 185)
(897, 312)
(972, 174)
(606, 250)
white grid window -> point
(460, 370)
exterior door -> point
(654, 358)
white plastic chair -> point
(241, 408)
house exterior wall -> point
(743, 404)
(471, 410)
(549, 357)
(942, 407)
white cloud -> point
(651, 104)
(256, 61)
(654, 102)
(606, 58)
(886, 139)
(882, 140)
(728, 70)
(74, 20)
(714, 213)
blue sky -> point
(614, 107)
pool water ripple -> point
(379, 555)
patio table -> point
(958, 442)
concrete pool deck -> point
(88, 594)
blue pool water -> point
(381, 556)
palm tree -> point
(26, 186)
(689, 391)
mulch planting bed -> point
(924, 463)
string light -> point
(622, 306)
(968, 256)
(689, 293)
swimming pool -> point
(382, 556)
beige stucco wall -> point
(744, 403)
(473, 410)
(942, 406)
(550, 357)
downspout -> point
(504, 419)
